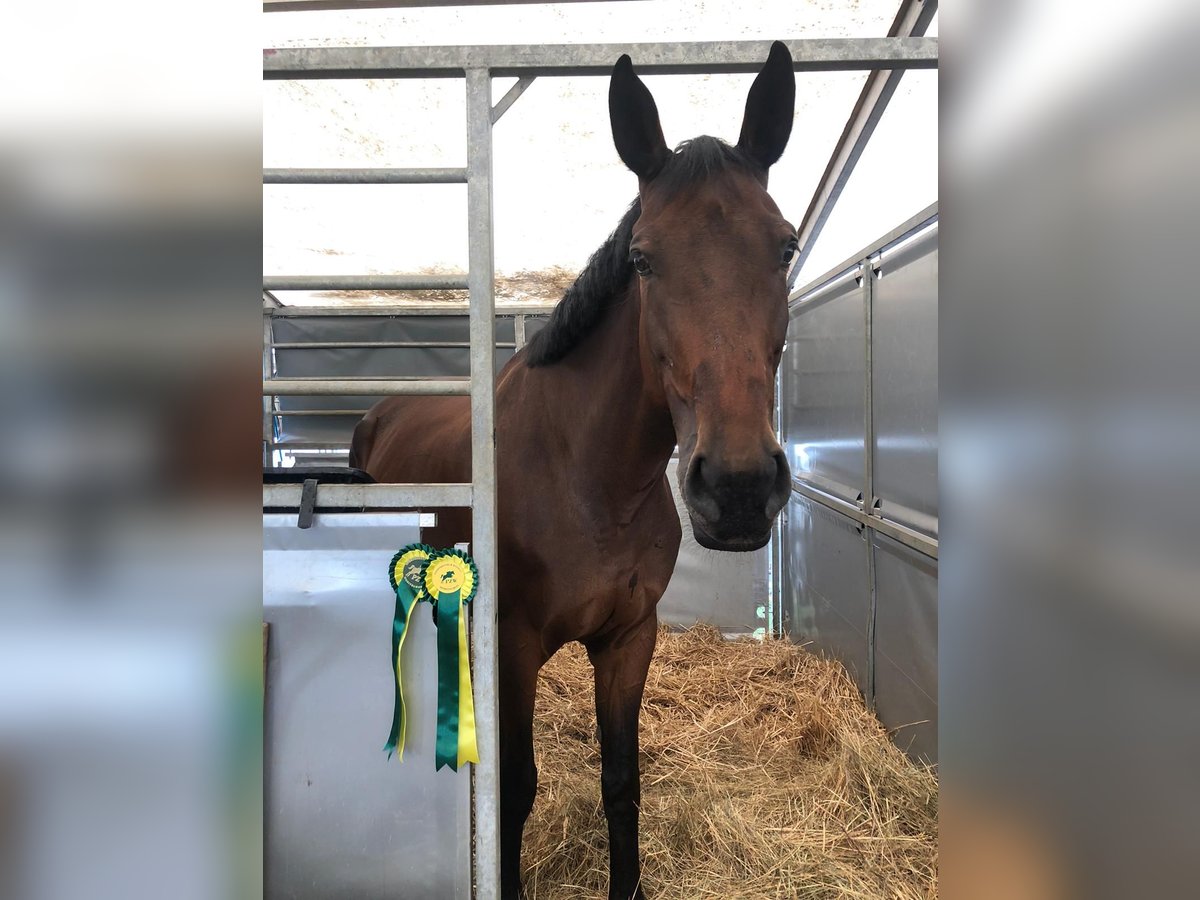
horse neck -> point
(618, 432)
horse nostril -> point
(700, 491)
(781, 488)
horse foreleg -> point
(518, 669)
(621, 662)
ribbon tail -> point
(405, 599)
(448, 607)
(468, 750)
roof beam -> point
(814, 54)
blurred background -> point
(131, 257)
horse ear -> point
(770, 107)
(636, 130)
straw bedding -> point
(763, 776)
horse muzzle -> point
(732, 509)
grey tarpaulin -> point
(341, 820)
(370, 362)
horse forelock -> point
(609, 269)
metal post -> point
(519, 330)
(868, 497)
(483, 477)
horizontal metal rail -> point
(922, 543)
(383, 345)
(298, 5)
(453, 282)
(363, 387)
(379, 496)
(693, 57)
(318, 412)
(303, 446)
(447, 308)
(365, 176)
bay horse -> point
(671, 335)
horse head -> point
(711, 251)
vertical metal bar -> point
(483, 477)
(777, 529)
(519, 330)
(868, 503)
(868, 534)
(268, 401)
(868, 289)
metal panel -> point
(728, 590)
(664, 58)
(339, 816)
(905, 360)
(906, 687)
(823, 391)
(826, 597)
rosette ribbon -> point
(405, 575)
(450, 580)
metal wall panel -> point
(823, 391)
(906, 687)
(904, 398)
(728, 590)
(872, 606)
(342, 820)
(826, 595)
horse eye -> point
(641, 265)
(790, 251)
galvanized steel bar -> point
(868, 297)
(450, 282)
(510, 97)
(383, 345)
(867, 501)
(281, 413)
(297, 5)
(483, 477)
(449, 308)
(872, 609)
(519, 331)
(663, 58)
(362, 387)
(365, 176)
(911, 22)
(377, 496)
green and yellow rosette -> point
(405, 573)
(450, 580)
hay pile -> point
(763, 776)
